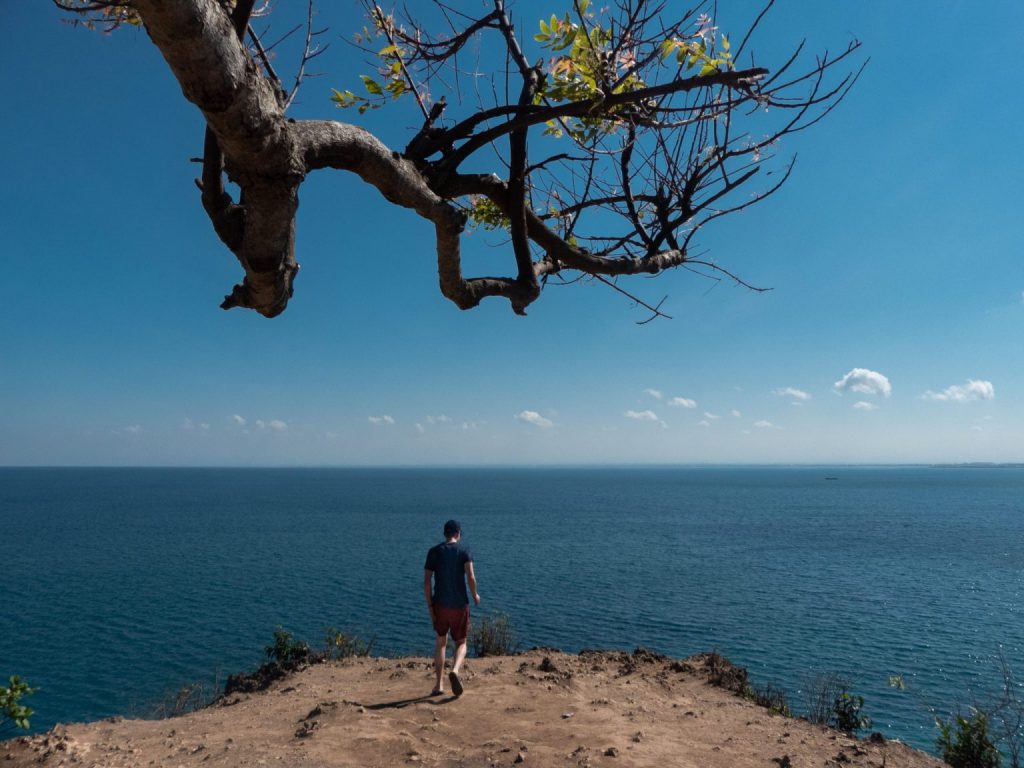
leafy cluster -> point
(967, 742)
(342, 645)
(483, 212)
(12, 711)
(846, 715)
(391, 81)
(287, 651)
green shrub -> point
(846, 713)
(771, 698)
(12, 713)
(341, 645)
(493, 636)
(965, 742)
(286, 650)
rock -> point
(611, 752)
(520, 758)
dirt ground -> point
(541, 708)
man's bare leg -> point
(460, 656)
(453, 678)
(440, 647)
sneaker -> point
(456, 684)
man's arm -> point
(471, 578)
(427, 573)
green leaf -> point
(725, 43)
(667, 47)
(372, 85)
(707, 69)
(566, 41)
(388, 50)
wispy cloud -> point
(735, 414)
(381, 420)
(703, 423)
(655, 393)
(864, 405)
(188, 424)
(239, 420)
(532, 417)
(442, 419)
(864, 381)
(683, 402)
(419, 428)
(277, 425)
(797, 394)
(710, 416)
(976, 389)
(644, 416)
(765, 424)
(133, 429)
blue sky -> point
(893, 332)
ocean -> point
(119, 586)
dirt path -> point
(542, 708)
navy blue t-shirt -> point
(448, 562)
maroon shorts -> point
(454, 620)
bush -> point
(723, 673)
(829, 702)
(341, 645)
(965, 742)
(12, 713)
(188, 698)
(820, 694)
(846, 713)
(771, 698)
(286, 650)
(493, 636)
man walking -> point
(450, 565)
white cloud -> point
(277, 425)
(385, 419)
(655, 393)
(864, 405)
(644, 416)
(711, 416)
(133, 429)
(532, 417)
(703, 423)
(976, 389)
(683, 402)
(864, 381)
(260, 424)
(735, 414)
(238, 420)
(419, 428)
(188, 423)
(793, 392)
(764, 424)
(442, 419)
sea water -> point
(118, 586)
